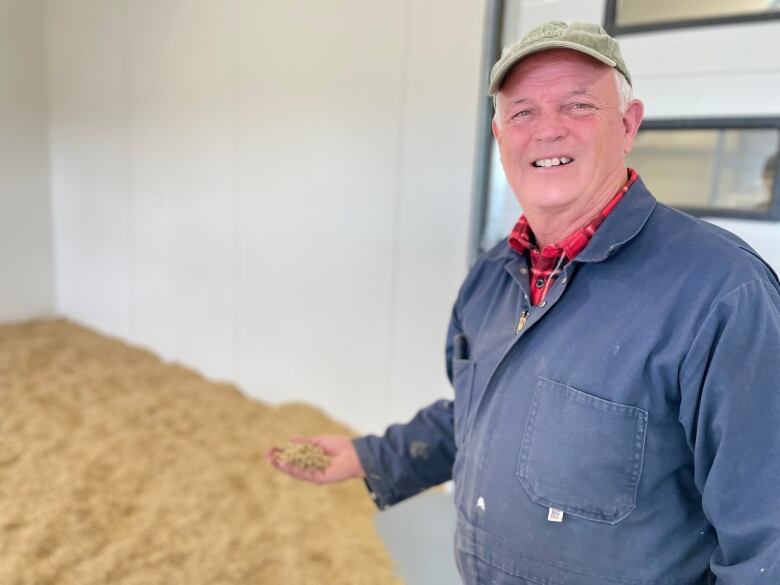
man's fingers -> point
(271, 456)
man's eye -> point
(580, 106)
(522, 114)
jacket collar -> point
(622, 225)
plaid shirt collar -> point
(547, 262)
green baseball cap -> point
(584, 37)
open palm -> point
(344, 462)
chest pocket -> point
(582, 454)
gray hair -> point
(624, 91)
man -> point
(616, 363)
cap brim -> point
(500, 74)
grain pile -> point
(116, 468)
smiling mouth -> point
(552, 162)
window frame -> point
(491, 52)
(614, 29)
(772, 213)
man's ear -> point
(494, 123)
(632, 118)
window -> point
(711, 167)
(627, 16)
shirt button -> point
(481, 503)
(563, 280)
(523, 271)
(543, 304)
(540, 283)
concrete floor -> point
(419, 535)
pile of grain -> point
(117, 468)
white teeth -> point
(552, 162)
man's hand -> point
(344, 462)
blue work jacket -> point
(625, 431)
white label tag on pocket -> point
(555, 515)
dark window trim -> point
(614, 29)
(772, 213)
(491, 51)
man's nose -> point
(550, 128)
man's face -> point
(561, 104)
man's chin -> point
(545, 198)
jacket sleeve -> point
(730, 407)
(412, 457)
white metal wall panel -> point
(273, 193)
(26, 288)
(534, 12)
(441, 93)
(318, 132)
(87, 142)
(728, 70)
(180, 113)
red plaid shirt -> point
(547, 263)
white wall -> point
(26, 287)
(276, 193)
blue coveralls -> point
(639, 406)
